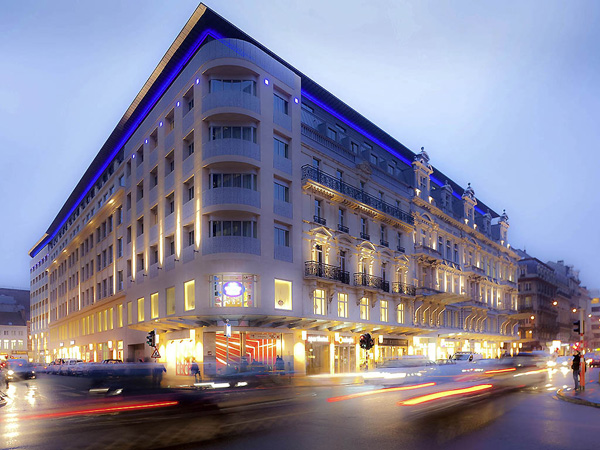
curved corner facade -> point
(238, 200)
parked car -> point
(68, 366)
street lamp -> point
(532, 317)
(554, 303)
(574, 310)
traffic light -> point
(577, 325)
(366, 341)
(151, 338)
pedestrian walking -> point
(195, 371)
(576, 366)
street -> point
(58, 412)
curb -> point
(575, 400)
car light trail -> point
(512, 369)
(379, 391)
(530, 372)
(443, 394)
(108, 410)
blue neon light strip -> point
(129, 132)
(374, 139)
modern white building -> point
(235, 190)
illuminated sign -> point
(317, 338)
(233, 288)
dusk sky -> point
(504, 95)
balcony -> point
(320, 220)
(429, 251)
(403, 288)
(325, 271)
(343, 229)
(401, 249)
(365, 236)
(231, 196)
(475, 270)
(371, 281)
(384, 243)
(231, 244)
(230, 147)
(231, 99)
(312, 173)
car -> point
(465, 357)
(20, 369)
(68, 366)
(593, 359)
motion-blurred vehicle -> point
(464, 357)
(68, 366)
(20, 369)
(593, 359)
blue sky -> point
(504, 95)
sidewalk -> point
(589, 397)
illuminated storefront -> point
(233, 290)
(344, 355)
(317, 354)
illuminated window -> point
(319, 302)
(129, 312)
(154, 305)
(140, 306)
(189, 295)
(233, 291)
(283, 294)
(384, 310)
(170, 294)
(110, 323)
(120, 315)
(400, 313)
(364, 308)
(342, 305)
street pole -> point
(581, 342)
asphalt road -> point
(40, 414)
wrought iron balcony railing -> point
(385, 243)
(327, 271)
(343, 228)
(401, 249)
(365, 236)
(312, 173)
(320, 220)
(365, 279)
(403, 288)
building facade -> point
(236, 191)
(14, 341)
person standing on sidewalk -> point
(576, 368)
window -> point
(339, 175)
(154, 305)
(119, 247)
(373, 159)
(237, 180)
(341, 215)
(129, 313)
(246, 228)
(189, 295)
(342, 305)
(280, 148)
(364, 228)
(120, 280)
(364, 308)
(383, 310)
(331, 134)
(233, 290)
(169, 204)
(319, 302)
(170, 296)
(354, 147)
(456, 253)
(190, 235)
(170, 245)
(120, 315)
(189, 189)
(282, 237)
(316, 163)
(400, 313)
(318, 208)
(169, 163)
(282, 192)
(280, 105)
(188, 146)
(228, 132)
(245, 86)
(283, 294)
(140, 307)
